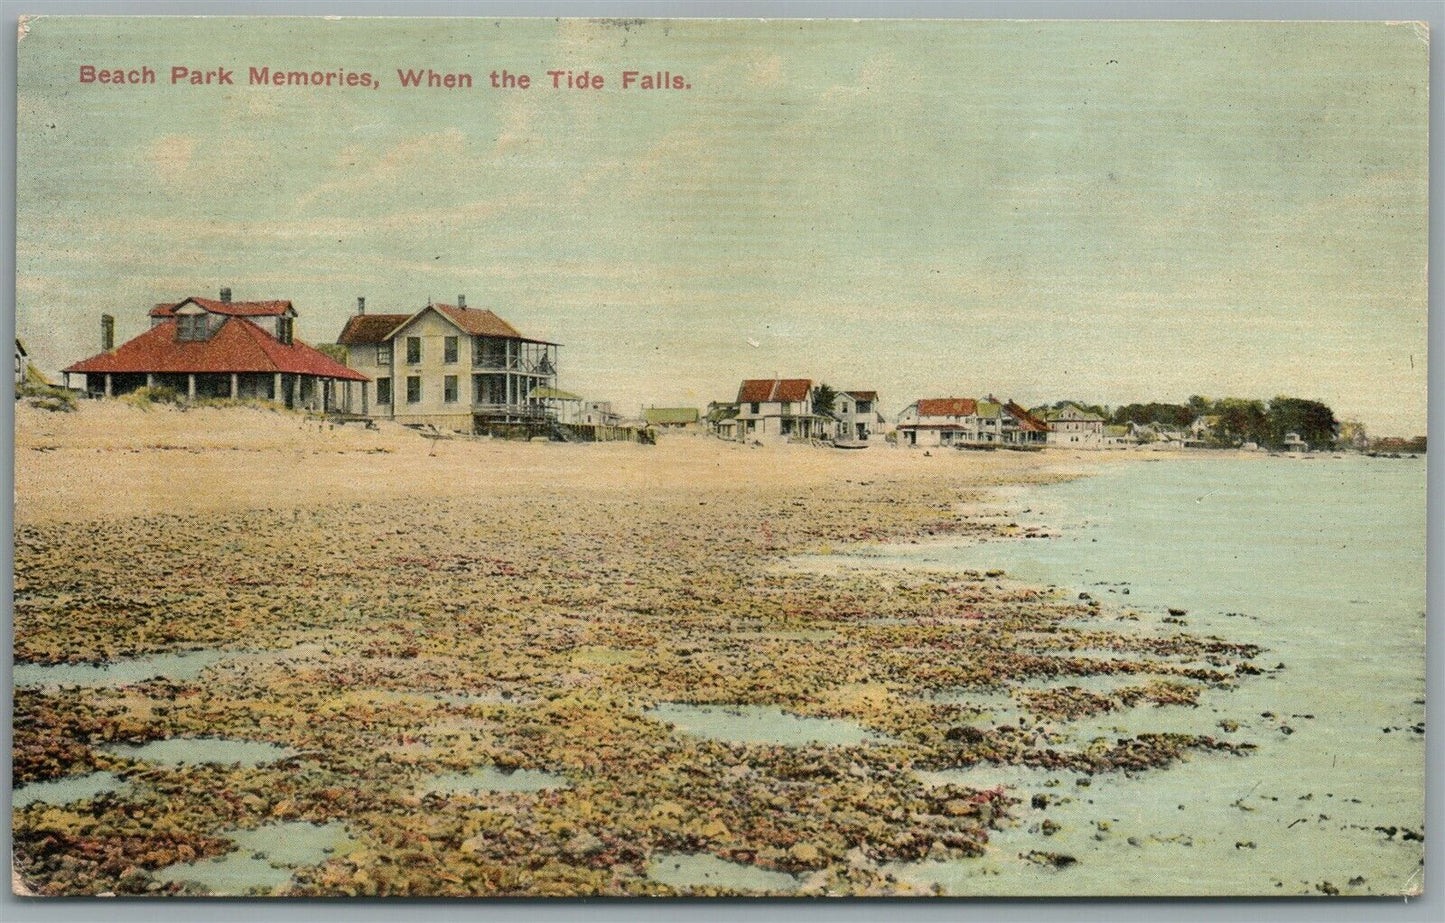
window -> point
(449, 386)
(383, 354)
(413, 389)
(285, 327)
(190, 327)
(383, 390)
(755, 407)
(449, 350)
(413, 351)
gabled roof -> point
(862, 395)
(238, 345)
(679, 415)
(227, 308)
(773, 390)
(1073, 412)
(1027, 421)
(947, 407)
(370, 329)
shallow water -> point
(179, 751)
(188, 665)
(762, 724)
(68, 789)
(492, 779)
(264, 859)
(686, 870)
(1323, 565)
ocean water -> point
(265, 858)
(1320, 561)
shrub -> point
(47, 397)
(145, 397)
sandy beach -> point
(395, 610)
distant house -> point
(451, 366)
(25, 371)
(1293, 443)
(600, 413)
(1076, 428)
(675, 418)
(781, 407)
(965, 421)
(562, 406)
(857, 415)
(222, 349)
(1119, 435)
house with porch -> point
(779, 407)
(857, 415)
(1075, 428)
(242, 350)
(454, 367)
(968, 422)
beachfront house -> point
(1293, 443)
(452, 366)
(857, 415)
(779, 407)
(678, 419)
(965, 421)
(1075, 428)
(205, 348)
(599, 413)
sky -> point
(1108, 212)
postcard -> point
(556, 458)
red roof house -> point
(220, 348)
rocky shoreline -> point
(389, 642)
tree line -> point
(1238, 420)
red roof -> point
(364, 329)
(228, 308)
(237, 346)
(1027, 421)
(772, 390)
(947, 407)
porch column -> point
(191, 386)
(150, 379)
(363, 397)
(235, 386)
(276, 389)
(296, 392)
(65, 377)
(107, 385)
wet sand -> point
(395, 609)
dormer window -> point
(190, 327)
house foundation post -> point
(276, 389)
(191, 386)
(235, 386)
(108, 391)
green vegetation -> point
(823, 398)
(145, 397)
(47, 397)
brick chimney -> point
(107, 333)
(225, 296)
(461, 301)
(360, 304)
